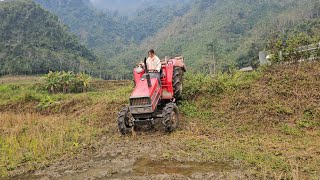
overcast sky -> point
(131, 5)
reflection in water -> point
(145, 166)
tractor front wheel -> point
(125, 121)
(170, 117)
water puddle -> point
(105, 168)
(145, 166)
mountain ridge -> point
(34, 41)
(236, 30)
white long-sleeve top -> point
(154, 64)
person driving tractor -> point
(153, 65)
(153, 62)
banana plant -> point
(66, 80)
(53, 81)
(84, 80)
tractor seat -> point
(163, 62)
(179, 58)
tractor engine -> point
(145, 96)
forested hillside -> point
(304, 35)
(228, 32)
(110, 34)
(96, 29)
(237, 29)
(33, 41)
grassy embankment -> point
(37, 127)
(265, 122)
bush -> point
(53, 81)
(45, 102)
(293, 47)
(67, 82)
(197, 84)
(29, 96)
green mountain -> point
(33, 41)
(236, 29)
(111, 34)
(98, 30)
(230, 32)
(107, 32)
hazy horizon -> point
(130, 5)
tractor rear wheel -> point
(170, 117)
(125, 121)
(177, 82)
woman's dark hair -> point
(151, 51)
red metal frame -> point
(155, 92)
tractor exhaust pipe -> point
(148, 79)
(147, 73)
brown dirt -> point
(140, 157)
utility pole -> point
(212, 59)
(281, 56)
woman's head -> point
(151, 53)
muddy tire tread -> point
(122, 118)
(168, 109)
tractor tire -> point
(177, 82)
(170, 117)
(124, 124)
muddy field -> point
(139, 157)
(144, 154)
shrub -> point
(66, 79)
(293, 46)
(29, 96)
(53, 81)
(84, 80)
(197, 84)
(67, 82)
(45, 102)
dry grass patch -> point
(28, 139)
(37, 128)
(11, 80)
(271, 126)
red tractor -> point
(152, 100)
